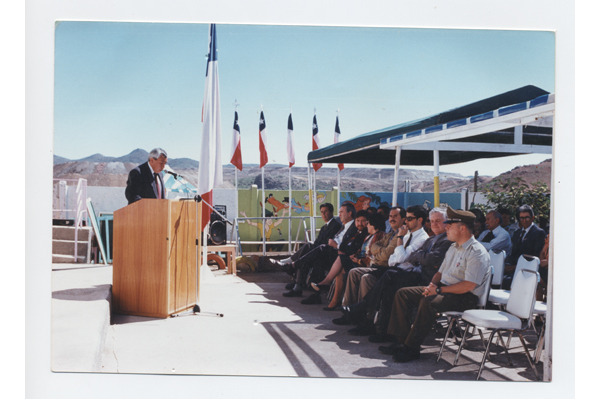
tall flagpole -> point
(263, 161)
(291, 162)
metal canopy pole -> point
(395, 193)
(436, 178)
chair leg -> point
(462, 342)
(528, 355)
(506, 349)
(540, 344)
(450, 324)
(487, 350)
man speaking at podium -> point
(145, 181)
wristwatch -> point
(438, 290)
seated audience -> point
(426, 262)
(455, 287)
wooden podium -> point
(154, 257)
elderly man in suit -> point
(495, 238)
(529, 240)
(145, 181)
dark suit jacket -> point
(532, 244)
(328, 232)
(350, 240)
(430, 260)
(141, 184)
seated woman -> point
(376, 229)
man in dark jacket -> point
(145, 181)
(529, 239)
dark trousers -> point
(314, 264)
(381, 296)
(412, 334)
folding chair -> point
(454, 317)
(539, 309)
(516, 318)
(500, 296)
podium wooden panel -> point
(154, 257)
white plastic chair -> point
(497, 261)
(516, 318)
(539, 309)
(453, 316)
(500, 296)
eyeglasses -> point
(524, 217)
(410, 218)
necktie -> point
(488, 237)
(158, 187)
(408, 241)
(521, 236)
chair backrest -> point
(527, 262)
(497, 262)
(488, 285)
(522, 294)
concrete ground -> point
(262, 333)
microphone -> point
(175, 175)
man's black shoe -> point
(381, 338)
(290, 286)
(292, 293)
(283, 266)
(407, 355)
(393, 348)
(342, 321)
(313, 299)
(362, 330)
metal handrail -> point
(264, 242)
(80, 207)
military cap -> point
(459, 216)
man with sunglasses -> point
(529, 239)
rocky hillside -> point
(112, 171)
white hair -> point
(157, 153)
(441, 211)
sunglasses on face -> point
(410, 218)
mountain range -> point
(100, 170)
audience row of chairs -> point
(517, 308)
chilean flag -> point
(290, 142)
(236, 145)
(315, 141)
(336, 138)
(210, 171)
(262, 140)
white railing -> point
(71, 207)
(264, 241)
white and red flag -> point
(315, 141)
(236, 145)
(336, 138)
(290, 142)
(262, 140)
(210, 171)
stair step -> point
(68, 233)
(66, 247)
(67, 259)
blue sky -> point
(121, 86)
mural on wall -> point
(279, 205)
(363, 200)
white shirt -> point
(340, 236)
(401, 254)
(500, 242)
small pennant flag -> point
(236, 144)
(315, 141)
(290, 142)
(262, 140)
(336, 138)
